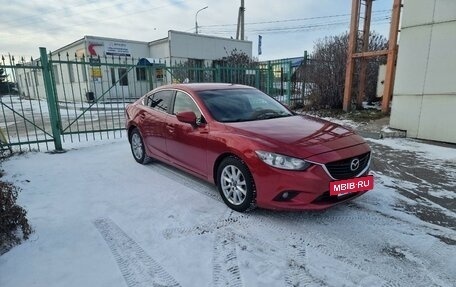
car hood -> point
(301, 136)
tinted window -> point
(235, 105)
(184, 103)
(160, 100)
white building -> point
(106, 69)
(424, 98)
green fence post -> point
(304, 73)
(257, 77)
(152, 75)
(218, 77)
(288, 100)
(269, 80)
(52, 102)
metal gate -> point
(26, 121)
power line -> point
(301, 28)
(293, 20)
(297, 27)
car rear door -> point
(187, 144)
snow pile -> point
(431, 151)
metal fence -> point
(56, 99)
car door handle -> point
(170, 128)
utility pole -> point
(240, 24)
(196, 18)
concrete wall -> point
(197, 46)
(160, 49)
(424, 99)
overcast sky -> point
(287, 27)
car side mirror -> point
(187, 117)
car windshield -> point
(239, 105)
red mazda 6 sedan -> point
(257, 152)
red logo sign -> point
(91, 48)
(341, 187)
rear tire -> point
(137, 147)
(235, 184)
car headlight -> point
(282, 161)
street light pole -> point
(196, 18)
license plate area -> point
(344, 187)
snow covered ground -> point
(101, 219)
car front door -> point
(186, 143)
(154, 122)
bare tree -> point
(327, 74)
(234, 66)
(236, 58)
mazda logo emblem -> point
(354, 165)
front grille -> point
(341, 169)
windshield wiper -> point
(271, 115)
(235, 120)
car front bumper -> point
(296, 190)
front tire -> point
(137, 147)
(235, 184)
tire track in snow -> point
(202, 229)
(317, 241)
(226, 270)
(421, 261)
(239, 219)
(136, 266)
(297, 270)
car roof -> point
(205, 86)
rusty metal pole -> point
(364, 48)
(392, 55)
(350, 66)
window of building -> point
(123, 77)
(113, 76)
(71, 72)
(159, 74)
(141, 74)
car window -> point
(160, 100)
(258, 103)
(183, 103)
(237, 105)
